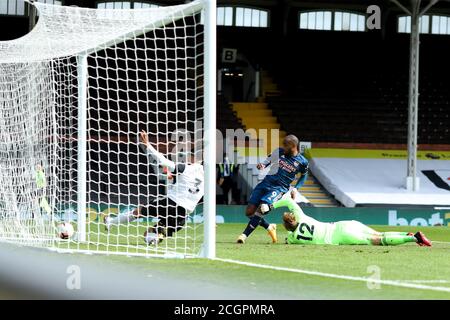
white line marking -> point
(395, 283)
(424, 281)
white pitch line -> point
(395, 283)
(424, 281)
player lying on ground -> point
(184, 191)
(303, 229)
(285, 164)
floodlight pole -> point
(209, 156)
(412, 181)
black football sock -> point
(254, 222)
(263, 223)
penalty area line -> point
(395, 283)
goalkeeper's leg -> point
(356, 233)
(394, 238)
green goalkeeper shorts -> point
(352, 232)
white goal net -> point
(75, 93)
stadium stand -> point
(258, 116)
(317, 195)
(268, 87)
(350, 90)
(371, 117)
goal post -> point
(74, 95)
(210, 128)
(82, 70)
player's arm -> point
(302, 179)
(288, 202)
(266, 162)
(291, 205)
(163, 161)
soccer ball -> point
(65, 230)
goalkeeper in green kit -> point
(303, 229)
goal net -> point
(74, 95)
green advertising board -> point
(374, 216)
(236, 214)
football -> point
(65, 230)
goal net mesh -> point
(143, 71)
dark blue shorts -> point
(266, 194)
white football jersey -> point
(188, 188)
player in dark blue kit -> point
(285, 164)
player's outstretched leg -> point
(394, 238)
(169, 223)
(356, 233)
(259, 194)
(122, 218)
(422, 240)
(397, 238)
(252, 225)
(256, 220)
(272, 231)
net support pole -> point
(412, 181)
(209, 208)
(31, 15)
(82, 73)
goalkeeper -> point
(303, 229)
(185, 189)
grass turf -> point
(408, 263)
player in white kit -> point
(184, 191)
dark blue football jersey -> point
(284, 168)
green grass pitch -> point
(403, 264)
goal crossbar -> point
(53, 47)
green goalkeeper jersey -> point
(309, 230)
